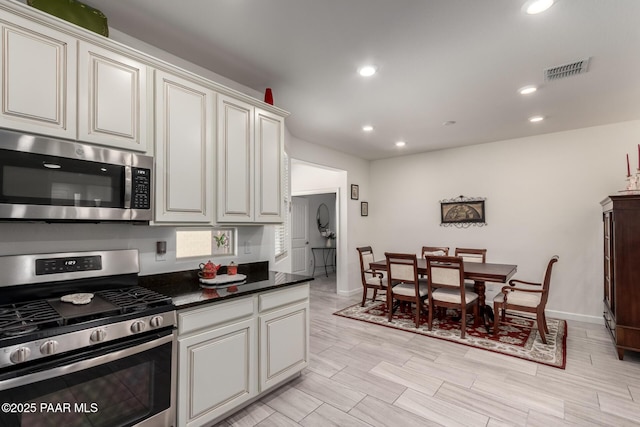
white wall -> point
(543, 198)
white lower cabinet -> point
(218, 367)
(284, 344)
(230, 353)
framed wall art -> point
(364, 208)
(355, 192)
(462, 212)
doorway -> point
(314, 234)
(308, 179)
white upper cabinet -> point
(184, 150)
(250, 150)
(38, 76)
(235, 160)
(112, 98)
(269, 148)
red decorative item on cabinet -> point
(268, 96)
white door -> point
(300, 235)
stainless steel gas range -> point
(81, 344)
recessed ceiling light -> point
(400, 144)
(367, 70)
(526, 90)
(533, 7)
(536, 119)
(367, 128)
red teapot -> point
(208, 270)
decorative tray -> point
(222, 280)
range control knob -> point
(49, 347)
(98, 335)
(137, 326)
(20, 355)
(156, 321)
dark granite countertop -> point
(184, 288)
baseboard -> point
(577, 317)
(350, 293)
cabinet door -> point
(269, 147)
(235, 160)
(184, 150)
(38, 77)
(216, 372)
(284, 344)
(112, 99)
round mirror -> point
(323, 217)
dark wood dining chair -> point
(524, 297)
(403, 283)
(445, 276)
(434, 251)
(471, 255)
(371, 279)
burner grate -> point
(134, 299)
(23, 318)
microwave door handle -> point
(127, 187)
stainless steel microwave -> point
(44, 179)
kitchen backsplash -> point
(255, 243)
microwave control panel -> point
(141, 192)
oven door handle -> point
(84, 364)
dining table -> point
(479, 272)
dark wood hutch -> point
(621, 216)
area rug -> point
(516, 341)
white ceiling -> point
(438, 60)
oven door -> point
(121, 384)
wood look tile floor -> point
(366, 375)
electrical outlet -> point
(247, 247)
(161, 257)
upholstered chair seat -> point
(453, 296)
(524, 299)
(408, 289)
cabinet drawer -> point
(213, 315)
(283, 297)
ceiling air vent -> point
(567, 70)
